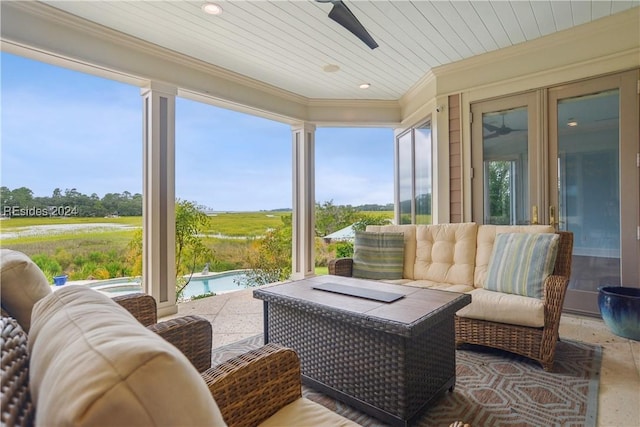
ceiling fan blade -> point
(343, 16)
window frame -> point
(412, 164)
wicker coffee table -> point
(388, 359)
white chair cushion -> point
(23, 284)
(504, 308)
(92, 363)
(305, 413)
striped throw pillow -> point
(378, 255)
(520, 263)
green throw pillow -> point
(378, 255)
(520, 263)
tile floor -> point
(238, 315)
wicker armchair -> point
(252, 387)
(249, 389)
(190, 334)
(535, 343)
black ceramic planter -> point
(620, 310)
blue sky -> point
(65, 129)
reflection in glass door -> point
(588, 186)
(504, 168)
(593, 150)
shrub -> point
(95, 257)
(324, 252)
(101, 273)
(116, 269)
(64, 258)
(49, 266)
(344, 249)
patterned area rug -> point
(495, 388)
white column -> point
(304, 201)
(158, 209)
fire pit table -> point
(387, 350)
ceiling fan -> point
(343, 16)
(498, 131)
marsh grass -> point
(244, 224)
(102, 253)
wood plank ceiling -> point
(288, 44)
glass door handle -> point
(552, 217)
(534, 215)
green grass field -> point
(85, 251)
(244, 224)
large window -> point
(414, 175)
(354, 166)
(229, 161)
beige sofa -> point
(457, 257)
(87, 360)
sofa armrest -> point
(142, 306)
(191, 335)
(252, 387)
(17, 407)
(555, 288)
(341, 267)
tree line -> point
(70, 202)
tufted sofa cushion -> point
(93, 363)
(446, 253)
(23, 284)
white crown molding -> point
(347, 112)
(426, 84)
(416, 103)
(601, 65)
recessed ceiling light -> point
(330, 68)
(365, 85)
(212, 9)
(572, 122)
